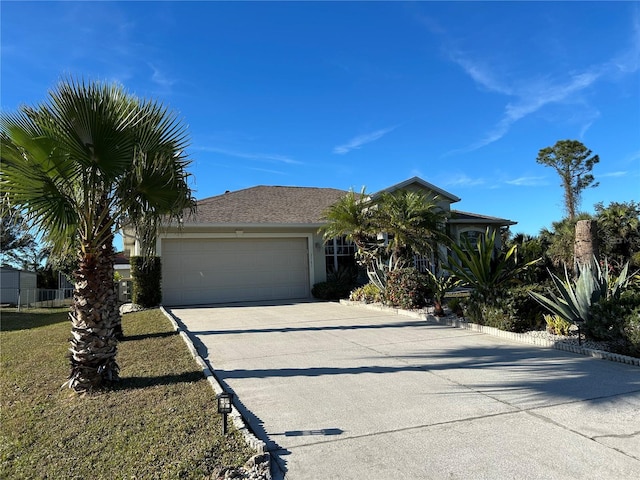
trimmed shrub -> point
(146, 274)
(407, 288)
(368, 293)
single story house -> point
(262, 243)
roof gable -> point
(420, 184)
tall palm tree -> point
(413, 221)
(79, 165)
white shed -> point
(17, 284)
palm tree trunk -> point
(94, 317)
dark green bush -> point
(146, 274)
(338, 285)
(614, 319)
(513, 311)
(407, 288)
(618, 323)
(527, 312)
(632, 334)
(330, 291)
(456, 305)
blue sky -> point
(345, 95)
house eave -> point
(483, 221)
(279, 226)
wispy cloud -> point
(480, 73)
(264, 157)
(266, 170)
(633, 157)
(613, 174)
(160, 78)
(356, 142)
(527, 95)
(527, 181)
(462, 180)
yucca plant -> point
(484, 267)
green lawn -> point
(160, 422)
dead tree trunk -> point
(585, 247)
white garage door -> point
(200, 271)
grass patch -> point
(160, 421)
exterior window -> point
(339, 252)
(471, 236)
(424, 263)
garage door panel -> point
(198, 271)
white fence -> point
(44, 298)
(36, 297)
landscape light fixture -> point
(225, 405)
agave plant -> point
(574, 300)
(378, 269)
(613, 285)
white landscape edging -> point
(518, 337)
(238, 421)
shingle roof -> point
(465, 217)
(267, 205)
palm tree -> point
(413, 222)
(79, 165)
(619, 229)
(561, 240)
(349, 218)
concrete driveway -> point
(341, 392)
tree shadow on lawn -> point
(144, 336)
(11, 320)
(130, 383)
